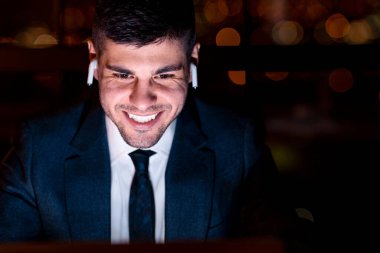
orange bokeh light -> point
(237, 76)
(228, 37)
(341, 80)
(337, 26)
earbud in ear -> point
(194, 75)
(91, 69)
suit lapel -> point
(88, 179)
(189, 181)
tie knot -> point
(140, 159)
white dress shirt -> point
(122, 173)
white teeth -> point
(142, 119)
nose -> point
(142, 95)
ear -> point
(195, 53)
(91, 48)
(92, 55)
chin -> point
(142, 141)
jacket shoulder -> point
(219, 119)
(61, 124)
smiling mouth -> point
(142, 119)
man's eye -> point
(122, 76)
(165, 76)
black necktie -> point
(141, 200)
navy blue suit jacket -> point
(56, 180)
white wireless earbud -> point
(91, 69)
(194, 75)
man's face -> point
(142, 89)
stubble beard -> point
(141, 139)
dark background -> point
(323, 131)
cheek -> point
(104, 101)
(177, 98)
(109, 98)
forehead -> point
(164, 48)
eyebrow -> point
(119, 69)
(173, 67)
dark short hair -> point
(142, 22)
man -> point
(69, 177)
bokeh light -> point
(360, 33)
(45, 40)
(287, 33)
(271, 10)
(285, 157)
(337, 26)
(341, 80)
(212, 12)
(230, 8)
(35, 37)
(277, 76)
(314, 10)
(238, 77)
(228, 37)
(374, 22)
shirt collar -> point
(117, 145)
